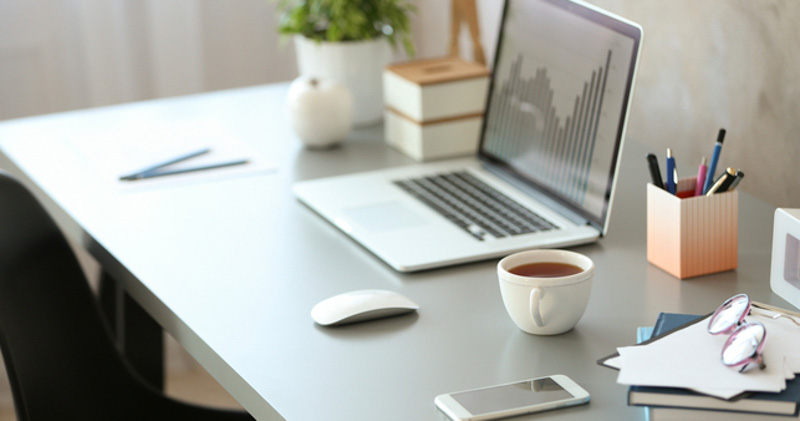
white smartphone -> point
(517, 398)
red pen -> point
(701, 177)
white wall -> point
(87, 53)
(705, 65)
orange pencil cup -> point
(692, 236)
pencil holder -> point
(692, 236)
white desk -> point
(231, 268)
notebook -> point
(545, 170)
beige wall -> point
(705, 65)
(722, 63)
(710, 64)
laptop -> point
(545, 171)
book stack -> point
(670, 403)
(434, 108)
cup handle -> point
(536, 296)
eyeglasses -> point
(745, 345)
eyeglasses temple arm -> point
(791, 315)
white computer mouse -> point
(361, 305)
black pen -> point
(723, 182)
(152, 174)
(655, 172)
(736, 180)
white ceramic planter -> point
(356, 64)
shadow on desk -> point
(370, 329)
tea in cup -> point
(545, 291)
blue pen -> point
(712, 166)
(671, 171)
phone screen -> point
(516, 395)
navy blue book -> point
(785, 403)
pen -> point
(154, 173)
(723, 182)
(152, 168)
(672, 173)
(739, 177)
(712, 166)
(655, 172)
(701, 177)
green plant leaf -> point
(348, 20)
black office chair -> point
(58, 351)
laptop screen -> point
(562, 80)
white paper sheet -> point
(690, 358)
(115, 153)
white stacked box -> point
(434, 108)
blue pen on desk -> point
(158, 170)
(712, 166)
(671, 173)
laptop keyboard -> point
(474, 206)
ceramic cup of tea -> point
(545, 291)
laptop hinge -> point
(559, 207)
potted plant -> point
(348, 41)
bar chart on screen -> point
(562, 146)
(559, 100)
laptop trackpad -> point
(384, 216)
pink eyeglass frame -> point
(737, 329)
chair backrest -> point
(58, 351)
(61, 360)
